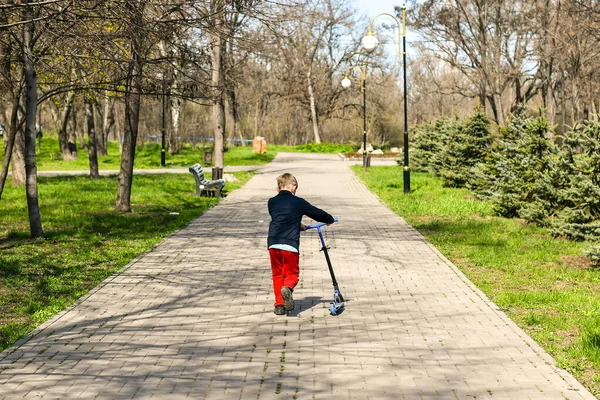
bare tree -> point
(309, 56)
(133, 11)
(91, 130)
(486, 41)
(30, 76)
(63, 139)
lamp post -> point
(346, 83)
(369, 43)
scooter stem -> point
(324, 249)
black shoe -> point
(288, 300)
(280, 310)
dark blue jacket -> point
(286, 212)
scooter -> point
(337, 305)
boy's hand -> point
(302, 227)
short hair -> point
(286, 180)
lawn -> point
(546, 285)
(48, 155)
(147, 156)
(85, 239)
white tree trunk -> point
(313, 108)
(175, 117)
(18, 160)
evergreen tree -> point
(517, 175)
(466, 146)
(579, 215)
(429, 139)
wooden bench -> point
(204, 187)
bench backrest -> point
(196, 169)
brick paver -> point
(192, 319)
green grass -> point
(313, 148)
(147, 156)
(546, 285)
(85, 239)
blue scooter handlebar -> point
(319, 224)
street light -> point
(346, 83)
(369, 43)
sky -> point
(373, 7)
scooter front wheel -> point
(332, 309)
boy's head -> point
(287, 181)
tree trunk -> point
(79, 133)
(219, 130)
(499, 108)
(18, 159)
(233, 126)
(119, 132)
(237, 132)
(133, 91)
(33, 208)
(218, 108)
(109, 119)
(313, 108)
(72, 135)
(76, 135)
(91, 129)
(174, 134)
(100, 138)
(258, 114)
(9, 143)
(132, 119)
(63, 138)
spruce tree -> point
(579, 215)
(429, 139)
(467, 146)
(514, 176)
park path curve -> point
(192, 318)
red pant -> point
(286, 271)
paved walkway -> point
(192, 319)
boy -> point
(286, 212)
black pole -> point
(364, 90)
(406, 167)
(164, 130)
(335, 284)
